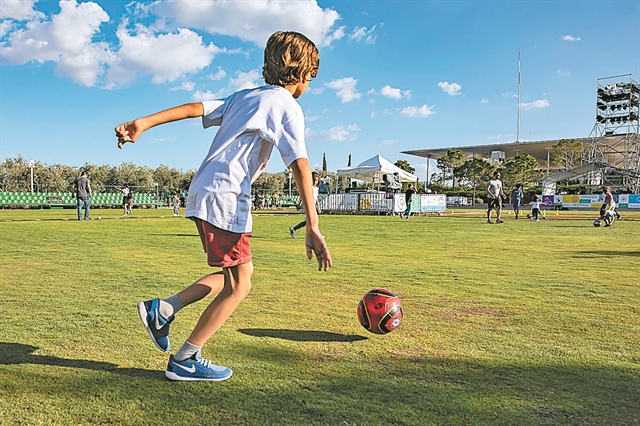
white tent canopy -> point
(372, 170)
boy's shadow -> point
(301, 335)
(17, 353)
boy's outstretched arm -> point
(313, 239)
(131, 131)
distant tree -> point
(566, 154)
(521, 168)
(272, 182)
(404, 165)
(476, 171)
(349, 162)
(449, 163)
(169, 179)
(324, 163)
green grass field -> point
(521, 323)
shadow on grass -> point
(17, 353)
(301, 335)
(607, 253)
(396, 390)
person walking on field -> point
(126, 194)
(408, 195)
(495, 196)
(251, 123)
(516, 199)
(316, 204)
(82, 187)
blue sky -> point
(394, 75)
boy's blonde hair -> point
(287, 56)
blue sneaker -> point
(157, 325)
(195, 369)
(292, 232)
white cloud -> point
(20, 10)
(337, 133)
(253, 21)
(362, 34)
(244, 80)
(564, 73)
(346, 89)
(570, 38)
(317, 90)
(204, 96)
(423, 111)
(509, 95)
(335, 35)
(66, 39)
(186, 85)
(541, 103)
(218, 75)
(393, 93)
(166, 57)
(387, 142)
(484, 101)
(5, 27)
(451, 89)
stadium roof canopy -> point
(538, 149)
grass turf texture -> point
(519, 323)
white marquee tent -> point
(372, 170)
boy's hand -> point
(128, 132)
(315, 243)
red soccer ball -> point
(380, 311)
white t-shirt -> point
(494, 186)
(251, 122)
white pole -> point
(427, 177)
(518, 133)
(289, 183)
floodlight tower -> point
(614, 143)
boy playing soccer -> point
(251, 123)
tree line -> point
(458, 175)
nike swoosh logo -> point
(158, 326)
(191, 369)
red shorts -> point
(223, 248)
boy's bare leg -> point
(237, 283)
(206, 286)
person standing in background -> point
(82, 186)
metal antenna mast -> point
(518, 132)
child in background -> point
(535, 208)
(130, 204)
(252, 122)
(609, 213)
(176, 205)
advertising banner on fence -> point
(433, 203)
(586, 201)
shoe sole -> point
(142, 310)
(173, 376)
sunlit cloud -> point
(451, 89)
(423, 111)
(542, 103)
(345, 89)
